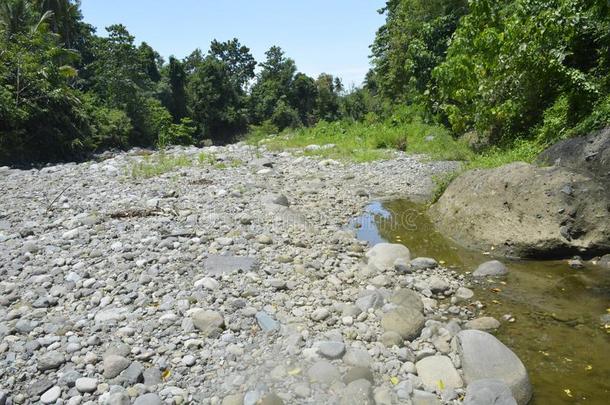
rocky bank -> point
(232, 282)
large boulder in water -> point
(526, 211)
(588, 154)
(485, 357)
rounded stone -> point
(407, 322)
(491, 269)
(323, 372)
(383, 255)
(438, 372)
(84, 385)
(51, 396)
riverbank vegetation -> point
(483, 81)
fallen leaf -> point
(568, 392)
(394, 380)
(294, 371)
(496, 290)
(165, 374)
(589, 367)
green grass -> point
(161, 163)
(362, 142)
(158, 164)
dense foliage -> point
(66, 92)
(509, 69)
(496, 73)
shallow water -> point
(557, 331)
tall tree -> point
(411, 43)
(273, 84)
(240, 62)
(177, 81)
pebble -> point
(86, 385)
(51, 396)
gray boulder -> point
(526, 211)
(588, 154)
(383, 255)
(406, 322)
(485, 357)
(489, 392)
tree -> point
(327, 102)
(177, 81)
(303, 97)
(411, 43)
(215, 102)
(510, 61)
(151, 61)
(274, 82)
(240, 62)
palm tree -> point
(13, 16)
(65, 14)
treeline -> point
(494, 70)
(498, 70)
(66, 92)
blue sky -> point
(331, 36)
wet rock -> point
(485, 323)
(485, 357)
(491, 268)
(423, 263)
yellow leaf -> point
(589, 367)
(165, 374)
(294, 371)
(441, 385)
(394, 380)
(496, 290)
(495, 301)
(442, 262)
(568, 392)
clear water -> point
(557, 331)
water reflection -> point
(557, 332)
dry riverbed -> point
(232, 278)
